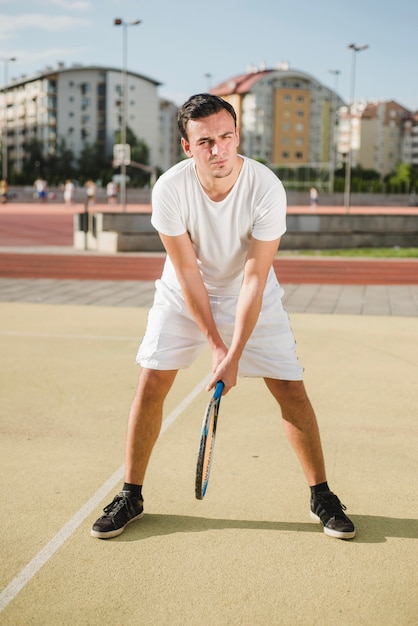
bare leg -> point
(145, 419)
(300, 425)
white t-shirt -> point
(220, 231)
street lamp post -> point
(332, 144)
(4, 141)
(208, 76)
(124, 96)
(355, 49)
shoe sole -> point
(333, 533)
(114, 533)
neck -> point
(217, 188)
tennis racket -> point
(207, 442)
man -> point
(220, 217)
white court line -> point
(28, 572)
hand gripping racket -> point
(207, 442)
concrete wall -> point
(349, 231)
(133, 232)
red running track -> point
(141, 267)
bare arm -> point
(183, 257)
(257, 266)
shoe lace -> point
(116, 505)
(331, 504)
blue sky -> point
(179, 43)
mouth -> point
(219, 163)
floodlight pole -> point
(332, 142)
(347, 187)
(124, 96)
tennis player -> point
(220, 217)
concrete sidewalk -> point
(398, 300)
(248, 554)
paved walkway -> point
(397, 300)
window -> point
(287, 97)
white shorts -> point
(173, 340)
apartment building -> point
(410, 139)
(286, 117)
(381, 136)
(169, 146)
(378, 134)
(79, 105)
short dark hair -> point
(201, 105)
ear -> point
(186, 147)
(237, 136)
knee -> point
(155, 384)
(288, 393)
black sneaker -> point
(123, 510)
(328, 510)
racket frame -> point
(205, 455)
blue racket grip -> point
(218, 390)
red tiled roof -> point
(238, 84)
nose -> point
(215, 148)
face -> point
(212, 141)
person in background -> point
(90, 191)
(41, 189)
(313, 195)
(112, 192)
(4, 189)
(69, 192)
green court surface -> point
(248, 554)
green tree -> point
(93, 163)
(400, 181)
(65, 166)
(361, 180)
(34, 163)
